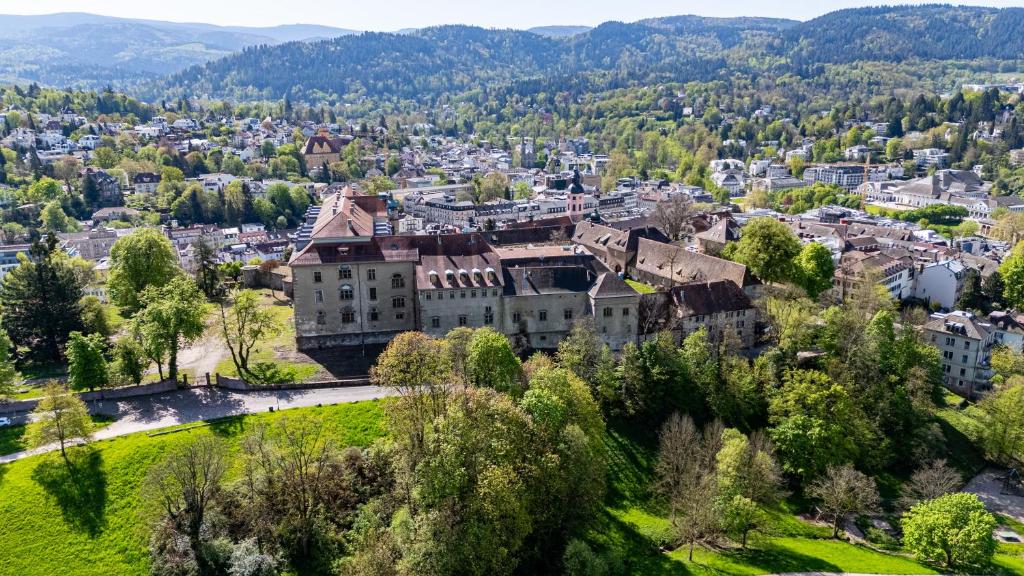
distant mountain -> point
(428, 63)
(81, 49)
(559, 31)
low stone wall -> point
(241, 386)
(19, 406)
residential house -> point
(965, 343)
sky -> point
(387, 15)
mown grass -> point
(12, 438)
(89, 519)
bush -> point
(881, 539)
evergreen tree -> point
(41, 300)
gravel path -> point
(197, 404)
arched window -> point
(345, 292)
(397, 281)
(321, 318)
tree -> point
(1009, 228)
(954, 529)
(129, 360)
(87, 368)
(142, 259)
(814, 269)
(207, 275)
(843, 491)
(9, 376)
(929, 482)
(768, 248)
(1012, 273)
(185, 487)
(740, 515)
(686, 479)
(60, 417)
(674, 216)
(172, 316)
(41, 300)
(53, 219)
(245, 323)
(493, 186)
(94, 317)
(1001, 432)
(580, 351)
(491, 362)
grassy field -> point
(92, 523)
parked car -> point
(5, 421)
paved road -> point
(187, 406)
(990, 491)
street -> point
(197, 404)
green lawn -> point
(640, 287)
(92, 523)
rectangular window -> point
(427, 296)
(348, 317)
(344, 273)
(967, 345)
(607, 312)
(494, 292)
(462, 294)
(542, 315)
(451, 295)
(472, 293)
(488, 316)
(373, 293)
(435, 322)
(517, 317)
(398, 302)
(318, 276)
(371, 273)
(400, 316)
(963, 371)
(625, 311)
(964, 360)
(462, 320)
(318, 296)
(374, 315)
(567, 314)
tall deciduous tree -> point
(41, 300)
(814, 269)
(674, 216)
(491, 362)
(87, 368)
(172, 316)
(60, 417)
(243, 325)
(142, 259)
(768, 248)
(686, 477)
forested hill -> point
(433, 62)
(896, 33)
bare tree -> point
(844, 491)
(674, 216)
(686, 477)
(929, 482)
(185, 485)
(287, 474)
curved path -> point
(196, 404)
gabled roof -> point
(706, 298)
(679, 265)
(609, 285)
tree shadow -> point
(79, 487)
(229, 427)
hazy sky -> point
(396, 14)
